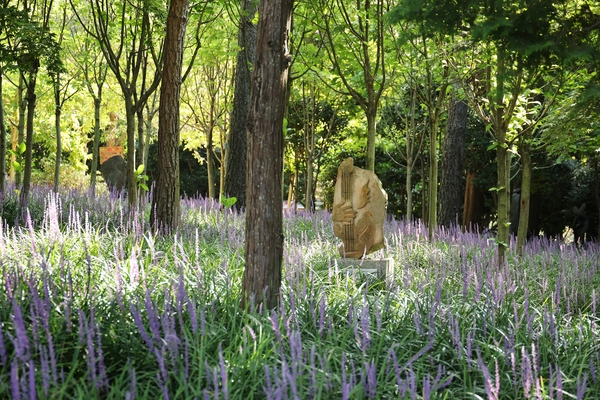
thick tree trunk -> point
(451, 184)
(264, 217)
(31, 99)
(473, 205)
(165, 214)
(235, 162)
(525, 191)
(96, 145)
(2, 139)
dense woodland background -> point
(453, 107)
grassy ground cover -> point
(94, 305)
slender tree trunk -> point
(433, 178)
(96, 145)
(235, 162)
(264, 218)
(165, 212)
(451, 186)
(2, 139)
(140, 134)
(503, 161)
(424, 190)
(210, 160)
(130, 117)
(597, 191)
(308, 203)
(409, 199)
(57, 126)
(21, 125)
(371, 137)
(31, 99)
(525, 191)
(150, 113)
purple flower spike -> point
(581, 386)
(15, 389)
(223, 374)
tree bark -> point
(473, 205)
(130, 118)
(210, 168)
(235, 161)
(57, 126)
(264, 215)
(525, 191)
(21, 124)
(2, 138)
(165, 214)
(31, 99)
(451, 186)
(141, 123)
(96, 145)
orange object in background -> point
(110, 151)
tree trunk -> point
(150, 113)
(371, 137)
(130, 117)
(235, 162)
(57, 114)
(409, 199)
(165, 212)
(21, 125)
(2, 139)
(596, 192)
(95, 155)
(503, 161)
(424, 190)
(432, 187)
(264, 217)
(31, 99)
(525, 191)
(473, 205)
(139, 153)
(210, 160)
(451, 186)
(308, 198)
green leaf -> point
(22, 148)
(140, 169)
(228, 201)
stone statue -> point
(114, 172)
(359, 206)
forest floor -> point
(94, 305)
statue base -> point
(382, 267)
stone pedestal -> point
(383, 268)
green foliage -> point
(228, 202)
(525, 27)
(19, 153)
(141, 179)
